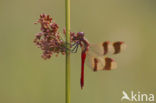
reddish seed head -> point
(48, 39)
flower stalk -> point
(67, 73)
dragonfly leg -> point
(74, 50)
(74, 47)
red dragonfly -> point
(95, 54)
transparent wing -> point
(96, 62)
(107, 48)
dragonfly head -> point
(80, 35)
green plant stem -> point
(67, 75)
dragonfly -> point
(95, 55)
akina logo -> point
(137, 96)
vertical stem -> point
(67, 20)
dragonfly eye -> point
(80, 34)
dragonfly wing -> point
(107, 48)
(99, 62)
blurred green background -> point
(26, 78)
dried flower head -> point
(49, 39)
